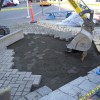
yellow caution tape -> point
(91, 93)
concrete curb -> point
(11, 38)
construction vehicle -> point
(45, 3)
(83, 40)
(4, 30)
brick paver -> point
(20, 82)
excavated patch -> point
(44, 55)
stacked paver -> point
(58, 31)
(97, 38)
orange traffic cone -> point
(31, 12)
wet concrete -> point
(45, 56)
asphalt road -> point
(19, 16)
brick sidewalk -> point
(21, 82)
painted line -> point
(14, 8)
(24, 16)
(11, 9)
(40, 11)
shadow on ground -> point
(45, 56)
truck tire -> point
(4, 30)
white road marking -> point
(40, 11)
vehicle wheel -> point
(4, 30)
